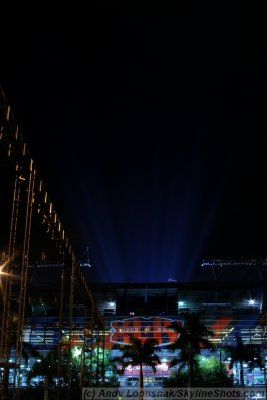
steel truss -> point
(29, 196)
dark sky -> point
(147, 122)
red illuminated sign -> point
(143, 328)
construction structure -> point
(31, 230)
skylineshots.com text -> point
(173, 393)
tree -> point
(244, 353)
(47, 368)
(139, 353)
(211, 373)
(208, 373)
(193, 336)
(27, 351)
(102, 369)
(64, 374)
(57, 371)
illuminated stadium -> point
(231, 301)
(52, 307)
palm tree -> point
(139, 353)
(193, 336)
(241, 353)
(47, 367)
(27, 351)
(209, 372)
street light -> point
(3, 266)
(5, 263)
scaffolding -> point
(30, 200)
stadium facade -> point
(231, 304)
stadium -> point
(229, 308)
(50, 307)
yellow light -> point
(3, 266)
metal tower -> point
(30, 200)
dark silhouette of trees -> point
(138, 353)
(208, 373)
(244, 353)
(193, 336)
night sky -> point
(148, 123)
